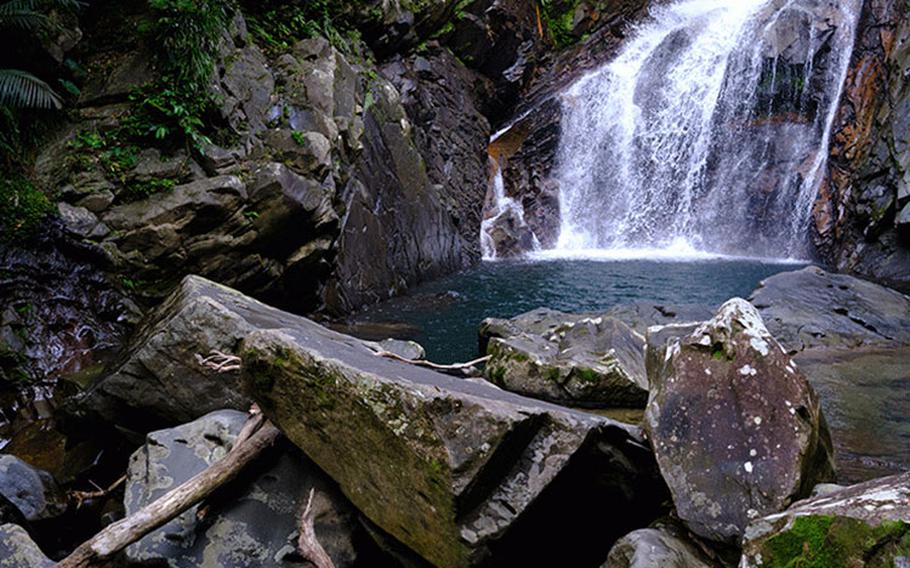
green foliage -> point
(169, 116)
(188, 32)
(558, 16)
(277, 25)
(22, 208)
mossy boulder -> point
(737, 430)
(457, 471)
(572, 359)
(864, 525)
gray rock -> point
(903, 218)
(737, 430)
(97, 201)
(150, 164)
(33, 491)
(862, 525)
(80, 221)
(454, 470)
(864, 392)
(568, 358)
(661, 546)
(813, 308)
(17, 550)
(256, 525)
(641, 316)
(510, 235)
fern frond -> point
(24, 90)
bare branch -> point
(308, 545)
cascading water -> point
(710, 127)
(504, 215)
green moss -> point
(817, 541)
(587, 375)
(554, 375)
(559, 16)
(22, 208)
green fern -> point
(23, 90)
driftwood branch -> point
(308, 545)
(121, 534)
(219, 362)
(437, 366)
(81, 497)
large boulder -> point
(455, 470)
(663, 545)
(567, 358)
(862, 525)
(160, 380)
(737, 430)
(812, 308)
(32, 491)
(256, 524)
(17, 550)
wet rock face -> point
(60, 312)
(17, 550)
(444, 100)
(568, 358)
(737, 430)
(812, 308)
(858, 214)
(257, 525)
(862, 525)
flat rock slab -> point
(255, 524)
(813, 308)
(862, 525)
(575, 359)
(865, 394)
(456, 470)
(737, 430)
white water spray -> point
(711, 127)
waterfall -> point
(710, 127)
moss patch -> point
(818, 541)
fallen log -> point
(121, 534)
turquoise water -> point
(444, 315)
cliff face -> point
(862, 215)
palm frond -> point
(29, 15)
(35, 5)
(27, 20)
(24, 90)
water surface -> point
(444, 315)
